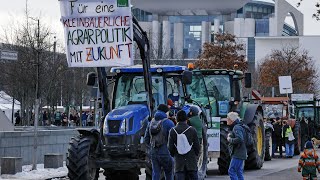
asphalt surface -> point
(276, 169)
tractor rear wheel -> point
(224, 159)
(256, 152)
(80, 151)
(268, 135)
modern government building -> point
(178, 29)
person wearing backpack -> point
(184, 147)
(156, 139)
(237, 146)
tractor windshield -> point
(130, 89)
(174, 90)
(306, 112)
(218, 86)
(272, 110)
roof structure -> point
(189, 7)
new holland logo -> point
(123, 3)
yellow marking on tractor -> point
(259, 141)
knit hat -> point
(163, 107)
(181, 116)
(308, 145)
(277, 118)
(194, 110)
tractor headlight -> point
(124, 126)
(105, 126)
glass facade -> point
(256, 10)
(262, 27)
(192, 26)
(141, 15)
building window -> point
(248, 8)
(254, 9)
(260, 10)
(265, 10)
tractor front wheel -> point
(80, 151)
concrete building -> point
(178, 32)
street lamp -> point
(37, 103)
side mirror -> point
(91, 78)
(247, 80)
(187, 77)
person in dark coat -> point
(304, 132)
(277, 137)
(160, 156)
(185, 165)
(18, 118)
(237, 146)
(311, 128)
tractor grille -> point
(114, 126)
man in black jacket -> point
(277, 137)
(186, 164)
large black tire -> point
(224, 159)
(268, 134)
(256, 153)
(80, 150)
(203, 157)
(297, 136)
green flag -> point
(123, 3)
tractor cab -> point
(129, 100)
(218, 88)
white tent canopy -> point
(6, 103)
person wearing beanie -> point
(195, 121)
(186, 165)
(309, 162)
(157, 143)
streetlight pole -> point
(37, 103)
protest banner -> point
(98, 33)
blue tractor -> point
(117, 146)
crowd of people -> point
(174, 147)
(281, 132)
(59, 118)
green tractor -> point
(220, 91)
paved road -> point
(276, 169)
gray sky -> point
(49, 11)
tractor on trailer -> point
(118, 146)
(219, 90)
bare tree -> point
(56, 80)
(223, 53)
(288, 61)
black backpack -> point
(157, 134)
(249, 136)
